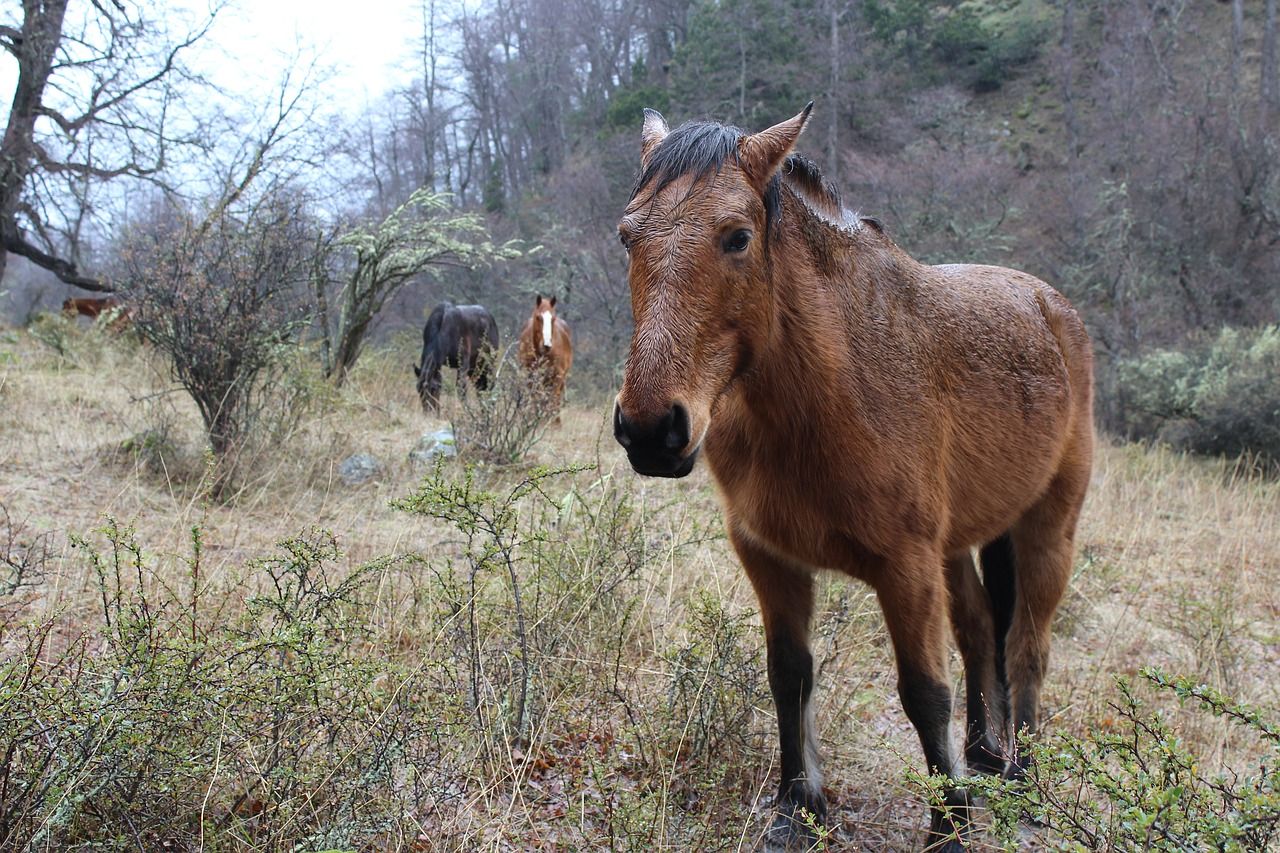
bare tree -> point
(96, 99)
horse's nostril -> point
(620, 432)
(678, 431)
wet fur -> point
(864, 413)
(547, 368)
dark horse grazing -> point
(864, 413)
(546, 350)
(464, 337)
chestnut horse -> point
(865, 413)
(464, 337)
(90, 307)
(546, 350)
(109, 308)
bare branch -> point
(11, 39)
(64, 270)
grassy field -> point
(524, 658)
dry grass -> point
(1179, 567)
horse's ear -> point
(537, 300)
(761, 154)
(655, 130)
(552, 300)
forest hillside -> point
(1123, 151)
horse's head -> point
(543, 323)
(696, 230)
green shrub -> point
(1219, 398)
(716, 684)
(502, 424)
(457, 699)
(167, 721)
(1133, 783)
(56, 331)
(531, 578)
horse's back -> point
(1016, 375)
(480, 323)
(1014, 331)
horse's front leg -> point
(785, 593)
(913, 597)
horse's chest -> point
(797, 512)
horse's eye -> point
(737, 241)
(626, 244)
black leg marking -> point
(791, 682)
(999, 576)
(928, 705)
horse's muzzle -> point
(656, 450)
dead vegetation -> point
(550, 655)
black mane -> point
(700, 148)
(804, 176)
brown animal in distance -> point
(546, 351)
(864, 413)
(94, 307)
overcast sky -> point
(247, 47)
(362, 39)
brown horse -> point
(865, 413)
(109, 308)
(546, 350)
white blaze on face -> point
(546, 329)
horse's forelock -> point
(697, 147)
(700, 148)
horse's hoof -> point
(985, 757)
(792, 832)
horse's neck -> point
(837, 300)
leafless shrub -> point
(219, 297)
(500, 425)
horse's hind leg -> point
(785, 593)
(482, 370)
(981, 646)
(1043, 549)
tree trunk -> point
(833, 128)
(35, 49)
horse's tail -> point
(999, 576)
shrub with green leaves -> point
(457, 698)
(1222, 397)
(501, 425)
(168, 721)
(716, 683)
(1133, 783)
